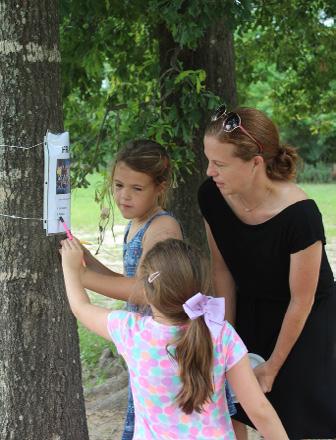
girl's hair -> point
(182, 273)
(280, 159)
(148, 157)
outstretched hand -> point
(72, 254)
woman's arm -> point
(257, 407)
(223, 282)
(92, 316)
(303, 279)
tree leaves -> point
(115, 90)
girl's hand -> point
(266, 376)
(72, 254)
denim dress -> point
(132, 252)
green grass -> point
(85, 212)
(85, 215)
(324, 195)
(92, 346)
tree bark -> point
(215, 54)
(40, 375)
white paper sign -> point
(57, 195)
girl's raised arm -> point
(91, 316)
(96, 266)
(117, 286)
(99, 278)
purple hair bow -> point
(213, 310)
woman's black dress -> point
(258, 257)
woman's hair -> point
(280, 159)
(182, 274)
(148, 157)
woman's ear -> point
(257, 161)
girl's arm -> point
(254, 402)
(92, 316)
(95, 265)
(223, 282)
(117, 286)
(161, 228)
(303, 279)
(98, 278)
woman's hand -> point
(266, 376)
(72, 255)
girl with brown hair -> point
(180, 356)
(267, 245)
(140, 180)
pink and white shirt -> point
(155, 381)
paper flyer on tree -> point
(57, 194)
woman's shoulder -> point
(293, 201)
(297, 201)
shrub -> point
(320, 172)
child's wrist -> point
(71, 271)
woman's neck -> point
(258, 194)
(253, 200)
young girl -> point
(178, 358)
(140, 180)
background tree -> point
(191, 77)
(287, 66)
(157, 69)
(174, 72)
(40, 375)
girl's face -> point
(135, 193)
(231, 174)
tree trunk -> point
(215, 54)
(40, 375)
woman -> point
(267, 245)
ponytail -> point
(283, 165)
(194, 356)
(181, 272)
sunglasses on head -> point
(232, 121)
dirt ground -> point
(106, 404)
(105, 409)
